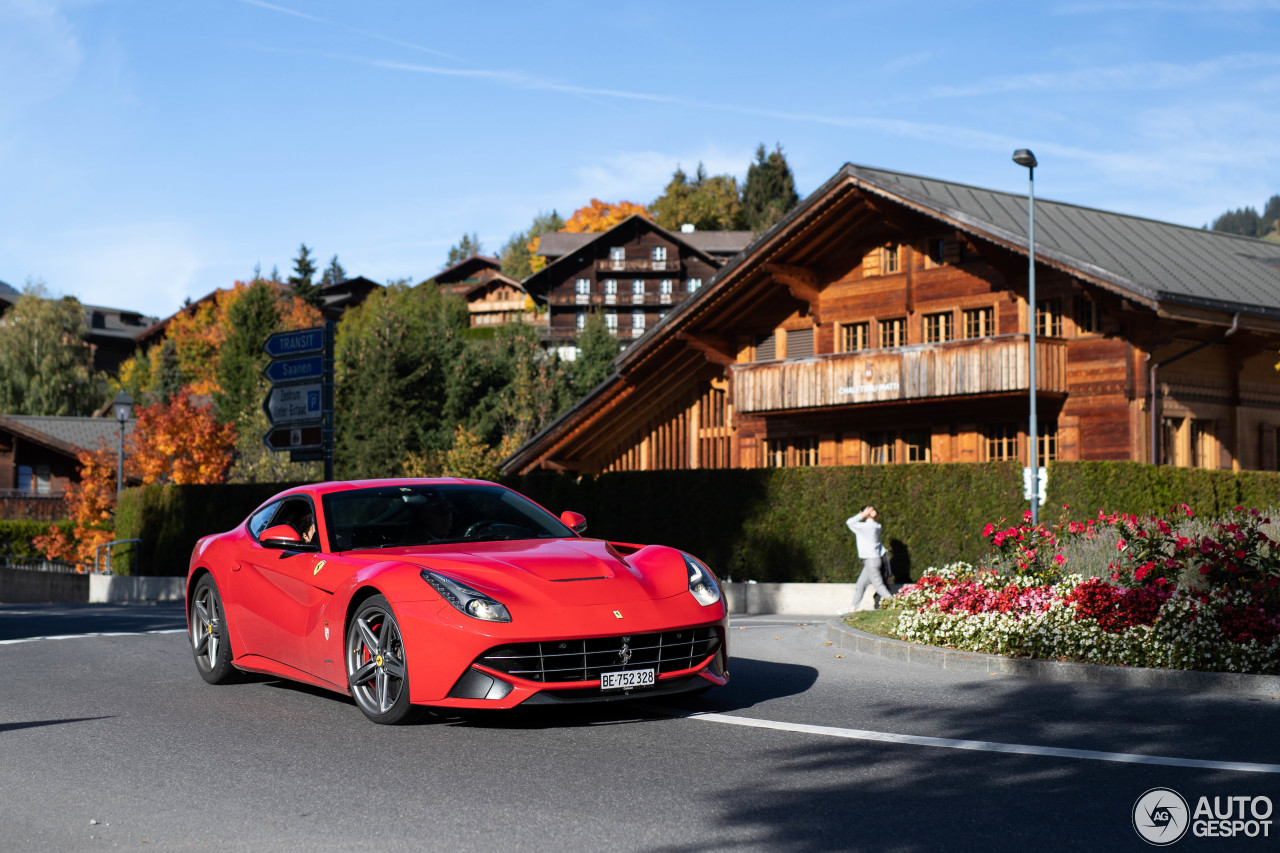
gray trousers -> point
(870, 575)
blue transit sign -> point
(294, 369)
(303, 341)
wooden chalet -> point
(885, 321)
(38, 460)
(492, 297)
(634, 273)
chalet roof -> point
(67, 434)
(8, 289)
(466, 268)
(554, 244)
(1156, 263)
(1152, 260)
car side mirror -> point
(575, 521)
(280, 536)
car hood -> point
(554, 571)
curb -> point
(979, 663)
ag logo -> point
(1160, 816)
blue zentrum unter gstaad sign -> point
(302, 341)
(287, 370)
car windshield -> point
(400, 516)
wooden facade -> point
(493, 298)
(868, 328)
(634, 274)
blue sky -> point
(152, 150)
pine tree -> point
(770, 190)
(300, 282)
(333, 273)
(518, 252)
(597, 348)
(251, 318)
(466, 247)
(168, 373)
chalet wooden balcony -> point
(982, 366)
(638, 265)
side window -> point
(297, 513)
(258, 521)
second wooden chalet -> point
(885, 321)
(492, 297)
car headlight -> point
(472, 602)
(701, 583)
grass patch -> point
(880, 622)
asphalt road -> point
(113, 742)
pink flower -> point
(1059, 559)
(986, 531)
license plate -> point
(626, 679)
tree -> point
(91, 504)
(707, 203)
(466, 247)
(597, 348)
(520, 252)
(770, 190)
(1243, 222)
(471, 458)
(538, 389)
(181, 442)
(167, 373)
(333, 273)
(601, 216)
(392, 355)
(45, 363)
(253, 316)
(304, 269)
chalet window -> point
(1049, 318)
(611, 321)
(581, 320)
(1002, 442)
(658, 254)
(1170, 443)
(855, 337)
(979, 322)
(881, 446)
(662, 314)
(637, 321)
(1047, 440)
(582, 291)
(637, 290)
(1088, 316)
(766, 347)
(938, 251)
(610, 291)
(693, 284)
(888, 260)
(25, 478)
(939, 327)
(618, 257)
(790, 452)
(893, 333)
(666, 287)
(917, 444)
(800, 343)
(1204, 444)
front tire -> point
(209, 640)
(376, 670)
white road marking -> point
(989, 746)
(100, 634)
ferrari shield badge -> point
(316, 570)
(618, 614)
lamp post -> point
(123, 406)
(1024, 157)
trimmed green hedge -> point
(169, 519)
(16, 536)
(766, 524)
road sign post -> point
(299, 404)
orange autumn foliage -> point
(601, 216)
(181, 442)
(91, 503)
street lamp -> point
(1024, 157)
(123, 406)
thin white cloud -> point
(1132, 76)
(40, 54)
(376, 36)
(909, 60)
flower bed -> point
(1207, 602)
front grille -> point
(584, 660)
